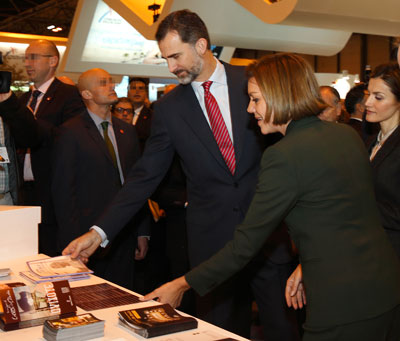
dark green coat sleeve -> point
(275, 195)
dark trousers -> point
(30, 195)
(268, 285)
(385, 327)
(177, 252)
(394, 239)
(229, 305)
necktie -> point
(109, 144)
(218, 127)
(32, 104)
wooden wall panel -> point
(309, 58)
(327, 64)
(350, 56)
(359, 51)
(378, 48)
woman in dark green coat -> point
(317, 179)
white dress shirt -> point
(28, 174)
(219, 89)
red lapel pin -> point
(121, 131)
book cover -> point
(73, 322)
(155, 320)
(79, 327)
(58, 266)
(27, 306)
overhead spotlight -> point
(50, 27)
(57, 29)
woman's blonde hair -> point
(288, 86)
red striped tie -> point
(218, 127)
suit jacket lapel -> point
(392, 142)
(47, 98)
(192, 114)
(238, 117)
(94, 133)
(118, 132)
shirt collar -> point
(218, 76)
(97, 119)
(45, 86)
(138, 110)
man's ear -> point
(86, 94)
(53, 61)
(201, 46)
(360, 107)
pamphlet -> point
(58, 266)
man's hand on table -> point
(84, 246)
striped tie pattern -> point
(218, 127)
(32, 104)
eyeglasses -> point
(122, 110)
(36, 56)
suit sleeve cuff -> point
(99, 230)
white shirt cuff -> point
(99, 230)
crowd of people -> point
(191, 186)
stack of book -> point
(78, 328)
(56, 269)
(155, 320)
(23, 306)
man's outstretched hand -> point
(84, 246)
(171, 292)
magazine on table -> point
(24, 306)
(80, 327)
(29, 275)
(155, 320)
(58, 267)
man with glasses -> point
(52, 103)
(92, 156)
(123, 110)
(137, 93)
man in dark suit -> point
(355, 106)
(354, 103)
(220, 163)
(86, 175)
(18, 119)
(52, 103)
(138, 94)
(331, 97)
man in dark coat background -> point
(86, 175)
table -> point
(112, 331)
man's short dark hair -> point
(145, 81)
(138, 79)
(353, 97)
(187, 24)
